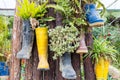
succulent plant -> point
(63, 39)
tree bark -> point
(88, 66)
(16, 46)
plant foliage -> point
(103, 48)
(71, 11)
(5, 43)
(63, 39)
(28, 9)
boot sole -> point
(43, 69)
(69, 77)
(82, 51)
(96, 24)
(22, 56)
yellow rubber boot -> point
(99, 69)
(42, 45)
(106, 69)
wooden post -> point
(88, 66)
(16, 45)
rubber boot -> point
(82, 47)
(92, 16)
(101, 69)
(27, 41)
(66, 67)
(4, 69)
(42, 45)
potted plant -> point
(65, 44)
(27, 10)
(102, 52)
(33, 16)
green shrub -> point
(103, 48)
(63, 39)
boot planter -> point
(4, 70)
(66, 67)
(101, 69)
(27, 41)
(92, 16)
(82, 47)
(42, 45)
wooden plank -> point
(36, 73)
(88, 66)
(76, 65)
(58, 73)
(50, 75)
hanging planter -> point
(42, 46)
(102, 52)
(63, 39)
(101, 69)
(27, 40)
(27, 10)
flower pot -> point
(42, 46)
(101, 69)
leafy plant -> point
(111, 31)
(71, 11)
(103, 48)
(5, 43)
(28, 9)
(63, 39)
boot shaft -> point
(42, 45)
(66, 59)
(42, 40)
(89, 7)
(27, 33)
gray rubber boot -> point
(66, 67)
(27, 41)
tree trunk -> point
(88, 66)
(16, 45)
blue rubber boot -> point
(27, 41)
(4, 69)
(92, 16)
(66, 67)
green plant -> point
(28, 9)
(63, 39)
(5, 42)
(111, 31)
(103, 48)
(71, 11)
